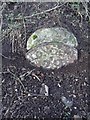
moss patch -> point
(34, 36)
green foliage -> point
(34, 37)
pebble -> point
(75, 108)
(16, 90)
(77, 117)
(74, 96)
(76, 79)
(44, 90)
(59, 85)
(66, 102)
(29, 94)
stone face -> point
(52, 47)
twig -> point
(1, 16)
(9, 105)
(28, 73)
(13, 41)
(24, 28)
(1, 20)
(85, 4)
(5, 56)
(36, 76)
(36, 95)
(3, 72)
(17, 78)
(6, 34)
(43, 12)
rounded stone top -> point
(52, 47)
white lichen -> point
(52, 47)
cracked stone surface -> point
(52, 47)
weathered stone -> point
(52, 47)
(77, 117)
(66, 102)
(44, 90)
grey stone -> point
(66, 102)
(52, 48)
(77, 117)
(44, 90)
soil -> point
(21, 81)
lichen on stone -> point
(52, 47)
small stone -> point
(84, 84)
(75, 108)
(59, 85)
(23, 69)
(16, 90)
(74, 91)
(76, 79)
(35, 117)
(77, 117)
(44, 90)
(29, 94)
(74, 96)
(66, 102)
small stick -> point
(28, 73)
(48, 10)
(9, 105)
(36, 76)
(17, 79)
(5, 56)
(24, 28)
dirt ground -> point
(21, 81)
